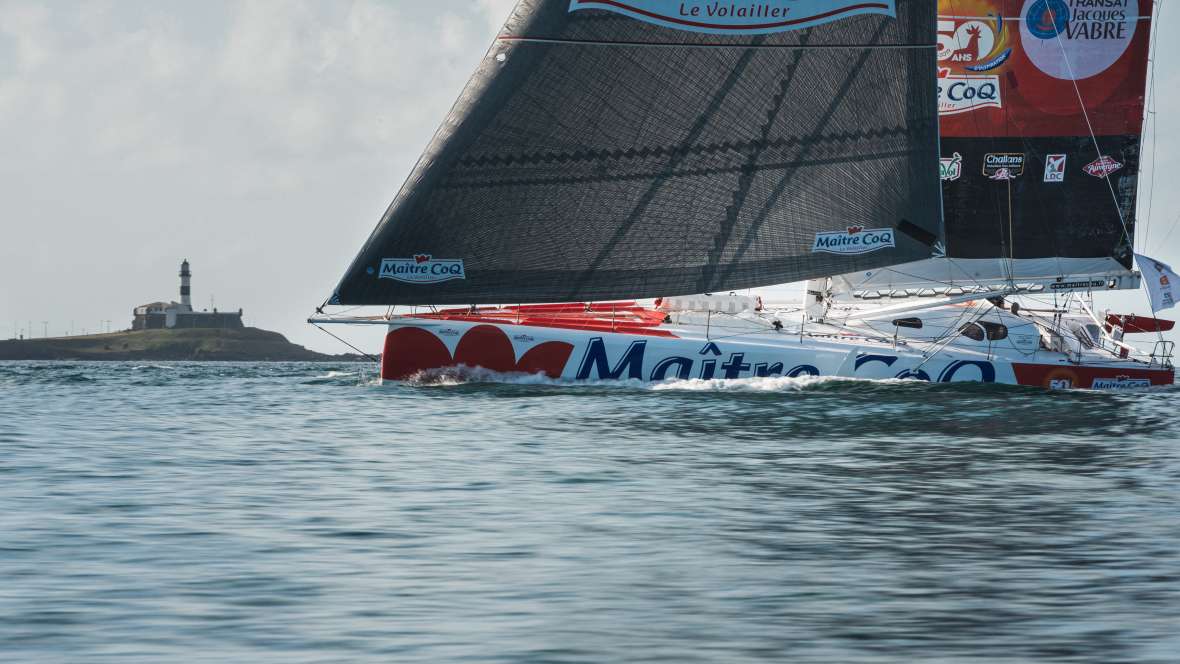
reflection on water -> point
(239, 512)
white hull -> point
(710, 346)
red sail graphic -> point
(1009, 67)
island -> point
(243, 344)
(173, 331)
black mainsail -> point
(595, 156)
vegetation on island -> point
(248, 344)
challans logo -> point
(854, 240)
(1003, 165)
(421, 269)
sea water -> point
(304, 513)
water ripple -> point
(302, 513)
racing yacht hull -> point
(602, 348)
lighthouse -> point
(169, 315)
(185, 290)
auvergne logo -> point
(422, 269)
(740, 17)
(855, 240)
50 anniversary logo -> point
(973, 48)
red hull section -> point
(411, 350)
(1082, 377)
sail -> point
(1041, 107)
(646, 148)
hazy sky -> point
(260, 140)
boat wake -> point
(465, 376)
(771, 384)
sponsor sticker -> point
(1003, 165)
(972, 43)
(744, 17)
(421, 269)
(1120, 383)
(1076, 39)
(972, 51)
(1102, 166)
(950, 168)
(963, 93)
(1055, 168)
(853, 240)
(1077, 285)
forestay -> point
(595, 155)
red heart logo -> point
(410, 350)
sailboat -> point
(624, 185)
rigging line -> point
(345, 343)
(925, 279)
(636, 44)
(1010, 265)
(1089, 126)
(1094, 139)
(349, 310)
(1175, 223)
(1151, 114)
(952, 333)
(1006, 18)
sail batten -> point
(596, 156)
